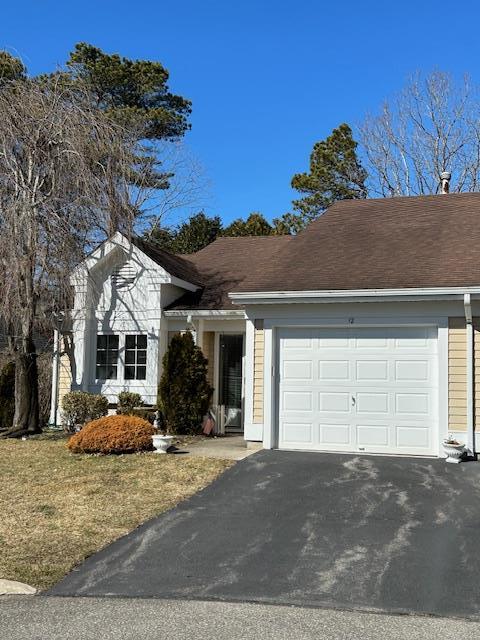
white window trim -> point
(120, 379)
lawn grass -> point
(57, 508)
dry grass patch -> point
(58, 508)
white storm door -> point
(372, 390)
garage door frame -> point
(272, 353)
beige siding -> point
(64, 377)
(259, 348)
(457, 373)
(208, 348)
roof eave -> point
(353, 295)
(205, 313)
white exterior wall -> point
(101, 307)
(340, 315)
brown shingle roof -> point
(224, 265)
(404, 242)
(175, 265)
(388, 243)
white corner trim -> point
(352, 295)
(269, 389)
(205, 313)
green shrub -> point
(113, 434)
(79, 407)
(128, 402)
(147, 413)
(184, 392)
(7, 395)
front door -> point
(230, 388)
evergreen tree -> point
(254, 225)
(11, 68)
(335, 174)
(184, 392)
(191, 236)
(136, 94)
(134, 91)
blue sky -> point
(267, 78)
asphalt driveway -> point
(377, 533)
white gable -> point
(118, 276)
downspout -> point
(467, 304)
(55, 370)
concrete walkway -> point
(228, 447)
(41, 618)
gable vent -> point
(124, 277)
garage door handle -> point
(353, 401)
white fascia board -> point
(183, 284)
(117, 240)
(205, 313)
(353, 295)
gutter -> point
(352, 295)
(467, 304)
(205, 313)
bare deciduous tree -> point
(64, 177)
(432, 126)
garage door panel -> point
(413, 403)
(297, 401)
(412, 370)
(371, 370)
(298, 432)
(297, 370)
(413, 437)
(372, 402)
(371, 342)
(336, 434)
(334, 402)
(338, 341)
(417, 338)
(359, 389)
(333, 370)
(373, 435)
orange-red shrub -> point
(113, 434)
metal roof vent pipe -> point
(445, 181)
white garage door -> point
(359, 389)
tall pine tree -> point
(335, 174)
(191, 236)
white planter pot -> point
(161, 443)
(454, 452)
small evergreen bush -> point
(113, 434)
(7, 395)
(184, 392)
(128, 402)
(79, 407)
(147, 413)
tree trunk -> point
(26, 419)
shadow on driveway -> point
(377, 533)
